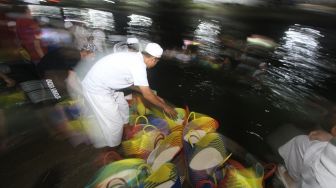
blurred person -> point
(90, 44)
(179, 55)
(29, 34)
(99, 40)
(261, 70)
(58, 65)
(188, 52)
(8, 38)
(80, 33)
(56, 38)
(131, 44)
(310, 159)
(101, 90)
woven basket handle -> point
(159, 138)
(198, 136)
(121, 180)
(137, 119)
(146, 127)
(191, 114)
(219, 166)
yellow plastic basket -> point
(142, 143)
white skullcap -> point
(154, 50)
(132, 41)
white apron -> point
(108, 114)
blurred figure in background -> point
(133, 44)
(29, 35)
(99, 40)
(91, 45)
(8, 42)
(188, 52)
(83, 36)
(58, 65)
(80, 33)
(56, 37)
(127, 44)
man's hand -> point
(320, 135)
(10, 82)
(154, 99)
(170, 111)
(161, 99)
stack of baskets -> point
(158, 151)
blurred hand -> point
(171, 112)
(10, 82)
(320, 135)
(161, 99)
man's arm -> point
(151, 97)
(135, 88)
(37, 40)
(10, 82)
(38, 48)
(73, 83)
(320, 135)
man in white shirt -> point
(310, 160)
(100, 89)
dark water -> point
(298, 86)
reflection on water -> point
(245, 2)
(91, 17)
(303, 68)
(48, 11)
(207, 33)
(109, 1)
(139, 26)
(138, 20)
(101, 19)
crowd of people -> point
(69, 62)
